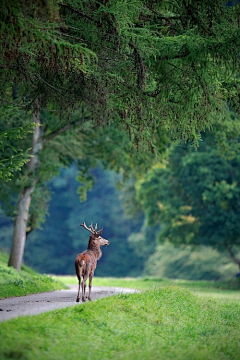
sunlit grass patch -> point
(166, 323)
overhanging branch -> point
(81, 13)
(65, 128)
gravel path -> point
(39, 303)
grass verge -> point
(27, 281)
(167, 323)
(212, 289)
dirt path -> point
(38, 303)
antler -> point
(99, 231)
(91, 229)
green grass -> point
(167, 323)
(212, 289)
(27, 281)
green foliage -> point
(195, 196)
(13, 157)
(149, 66)
(14, 283)
(79, 142)
(110, 146)
(203, 263)
(170, 321)
(141, 63)
(227, 133)
(144, 242)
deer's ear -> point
(98, 233)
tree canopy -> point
(142, 66)
(140, 62)
(195, 196)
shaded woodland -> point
(133, 87)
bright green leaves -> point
(13, 153)
(195, 197)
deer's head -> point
(96, 235)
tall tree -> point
(111, 146)
(140, 63)
(195, 196)
(21, 219)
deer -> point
(86, 262)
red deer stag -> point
(86, 262)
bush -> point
(202, 263)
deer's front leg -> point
(87, 273)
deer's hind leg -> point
(90, 286)
(85, 277)
(79, 287)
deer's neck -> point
(95, 249)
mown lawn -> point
(166, 323)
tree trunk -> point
(21, 219)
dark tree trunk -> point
(21, 219)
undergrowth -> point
(27, 281)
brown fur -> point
(86, 262)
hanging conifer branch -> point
(140, 67)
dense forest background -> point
(54, 248)
(134, 248)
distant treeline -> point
(133, 250)
(53, 249)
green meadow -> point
(165, 323)
(213, 289)
(168, 319)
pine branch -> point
(158, 16)
(49, 85)
(191, 13)
(182, 54)
(141, 69)
(82, 14)
(87, 41)
(152, 94)
(13, 103)
(200, 80)
(67, 127)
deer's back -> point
(86, 258)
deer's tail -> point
(79, 265)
